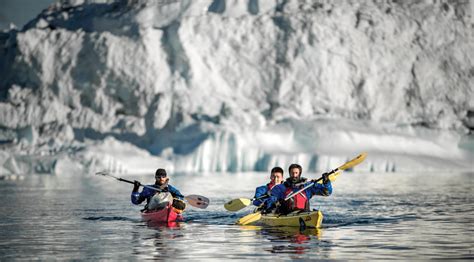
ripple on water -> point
(383, 219)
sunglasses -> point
(160, 176)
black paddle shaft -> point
(128, 181)
(261, 197)
(311, 184)
(131, 182)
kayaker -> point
(276, 178)
(293, 184)
(158, 199)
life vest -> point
(299, 201)
(270, 186)
(160, 201)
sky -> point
(20, 12)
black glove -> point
(136, 185)
(325, 178)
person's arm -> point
(175, 192)
(324, 189)
(259, 192)
(277, 193)
(136, 197)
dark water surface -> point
(369, 216)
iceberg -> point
(232, 86)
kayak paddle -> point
(347, 165)
(194, 200)
(239, 203)
(197, 201)
(252, 217)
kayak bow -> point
(167, 214)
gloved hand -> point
(270, 203)
(264, 210)
(325, 178)
(136, 186)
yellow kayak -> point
(295, 219)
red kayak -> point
(165, 215)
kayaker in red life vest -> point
(293, 184)
(157, 200)
(276, 178)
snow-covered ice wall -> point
(229, 85)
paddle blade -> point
(353, 162)
(237, 204)
(250, 218)
(197, 201)
(102, 173)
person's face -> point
(160, 179)
(276, 178)
(295, 173)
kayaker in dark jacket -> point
(261, 192)
(156, 199)
(294, 183)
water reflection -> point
(289, 240)
(368, 217)
(157, 241)
(161, 225)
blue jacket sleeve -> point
(137, 198)
(259, 192)
(277, 193)
(175, 192)
(319, 189)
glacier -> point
(232, 86)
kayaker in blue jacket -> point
(276, 178)
(157, 199)
(293, 184)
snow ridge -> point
(194, 83)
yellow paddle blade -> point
(353, 162)
(248, 219)
(237, 204)
(332, 177)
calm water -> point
(369, 216)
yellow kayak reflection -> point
(285, 229)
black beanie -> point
(160, 172)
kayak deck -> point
(295, 219)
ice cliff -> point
(238, 85)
